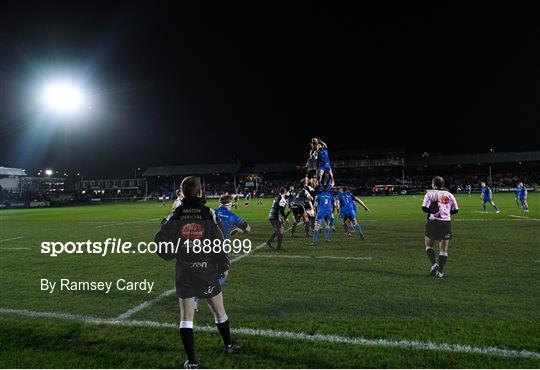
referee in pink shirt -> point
(439, 204)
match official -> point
(196, 273)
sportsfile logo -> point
(109, 246)
(118, 246)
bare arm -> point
(359, 201)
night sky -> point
(254, 81)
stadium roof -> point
(276, 167)
(7, 171)
(192, 169)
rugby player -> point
(298, 209)
(469, 189)
(308, 203)
(290, 195)
(312, 164)
(523, 196)
(247, 199)
(516, 196)
(345, 203)
(323, 204)
(276, 218)
(324, 159)
(487, 197)
(230, 223)
(439, 204)
(196, 273)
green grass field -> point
(377, 310)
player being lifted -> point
(439, 204)
(321, 148)
(276, 218)
(323, 204)
(487, 197)
(522, 195)
(345, 203)
(312, 164)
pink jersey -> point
(446, 201)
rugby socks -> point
(443, 256)
(223, 326)
(431, 255)
(327, 233)
(485, 208)
(279, 240)
(186, 333)
(271, 240)
(346, 228)
(315, 236)
(496, 209)
(358, 229)
(293, 229)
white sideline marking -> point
(525, 218)
(12, 249)
(310, 257)
(489, 219)
(165, 294)
(128, 222)
(403, 344)
(7, 240)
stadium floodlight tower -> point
(63, 97)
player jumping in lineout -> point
(439, 204)
(319, 146)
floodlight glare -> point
(63, 97)
(48, 172)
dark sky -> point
(254, 81)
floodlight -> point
(63, 97)
(48, 172)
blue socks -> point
(315, 236)
(358, 228)
(327, 233)
(485, 208)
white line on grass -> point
(491, 219)
(525, 218)
(309, 257)
(165, 294)
(12, 249)
(7, 240)
(403, 344)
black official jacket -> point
(189, 221)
